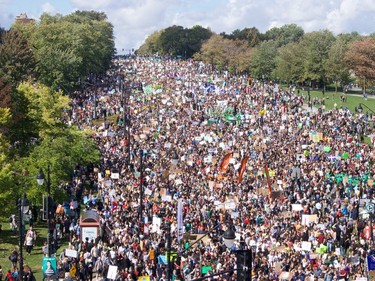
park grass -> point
(9, 241)
(353, 100)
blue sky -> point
(134, 20)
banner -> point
(370, 263)
(225, 163)
(242, 168)
(180, 229)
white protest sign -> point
(297, 207)
(306, 246)
(71, 253)
(167, 198)
(112, 272)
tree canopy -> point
(69, 48)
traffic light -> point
(244, 260)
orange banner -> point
(242, 168)
(225, 163)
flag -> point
(114, 206)
(225, 163)
(162, 259)
(370, 263)
(262, 112)
(242, 168)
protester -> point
(287, 176)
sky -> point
(134, 20)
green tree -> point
(289, 63)
(316, 46)
(70, 47)
(172, 40)
(62, 150)
(194, 39)
(151, 45)
(17, 62)
(5, 164)
(284, 35)
(335, 67)
(263, 60)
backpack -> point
(10, 219)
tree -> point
(5, 165)
(335, 67)
(62, 149)
(151, 45)
(50, 141)
(70, 47)
(17, 61)
(239, 55)
(172, 40)
(194, 39)
(360, 58)
(289, 63)
(316, 46)
(263, 61)
(284, 35)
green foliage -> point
(284, 35)
(316, 46)
(41, 138)
(62, 149)
(289, 63)
(16, 57)
(251, 35)
(335, 67)
(263, 60)
(151, 45)
(175, 41)
(70, 47)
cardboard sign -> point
(307, 219)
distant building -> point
(23, 18)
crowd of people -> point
(188, 150)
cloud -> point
(134, 20)
(48, 8)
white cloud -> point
(134, 20)
(48, 8)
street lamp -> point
(40, 179)
(23, 207)
(229, 237)
(141, 191)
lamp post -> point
(40, 179)
(23, 208)
(167, 227)
(141, 188)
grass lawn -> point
(9, 240)
(353, 100)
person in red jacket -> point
(9, 276)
